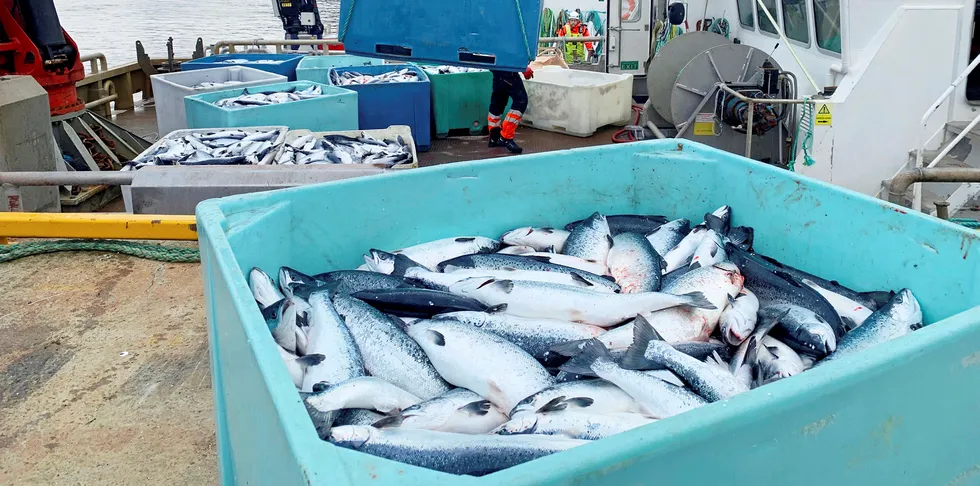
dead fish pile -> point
(469, 355)
(340, 149)
(224, 147)
(249, 61)
(265, 98)
(212, 84)
(347, 78)
(452, 70)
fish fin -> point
(311, 360)
(479, 408)
(302, 319)
(609, 239)
(787, 277)
(635, 357)
(465, 240)
(570, 349)
(539, 258)
(550, 249)
(496, 309)
(916, 326)
(762, 330)
(495, 392)
(774, 351)
(556, 404)
(436, 337)
(507, 286)
(402, 264)
(580, 279)
(582, 364)
(389, 421)
(699, 300)
(580, 402)
(752, 350)
(398, 321)
(715, 223)
(271, 313)
(321, 387)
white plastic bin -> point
(393, 131)
(577, 102)
(169, 90)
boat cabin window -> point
(826, 18)
(796, 21)
(631, 10)
(764, 24)
(745, 16)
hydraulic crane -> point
(33, 43)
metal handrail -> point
(920, 150)
(278, 43)
(93, 65)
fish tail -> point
(697, 299)
(582, 364)
(635, 357)
(569, 349)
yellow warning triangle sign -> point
(824, 110)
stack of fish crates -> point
(336, 109)
(460, 100)
(381, 105)
(282, 64)
(169, 90)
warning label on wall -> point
(824, 115)
(704, 124)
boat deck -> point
(142, 121)
(104, 369)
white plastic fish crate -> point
(170, 89)
(268, 159)
(391, 132)
(577, 102)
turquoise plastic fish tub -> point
(904, 412)
(336, 110)
(317, 68)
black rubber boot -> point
(495, 140)
(511, 145)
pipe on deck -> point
(79, 178)
(899, 185)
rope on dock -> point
(969, 223)
(169, 254)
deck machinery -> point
(33, 43)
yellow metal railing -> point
(97, 226)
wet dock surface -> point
(104, 372)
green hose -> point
(170, 254)
(548, 27)
(593, 18)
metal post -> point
(748, 130)
(942, 210)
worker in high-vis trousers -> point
(575, 51)
(507, 86)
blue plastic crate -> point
(495, 34)
(387, 104)
(285, 64)
(317, 68)
(903, 412)
(337, 110)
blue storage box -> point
(903, 412)
(385, 104)
(284, 64)
(337, 110)
(491, 34)
(317, 68)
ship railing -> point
(923, 143)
